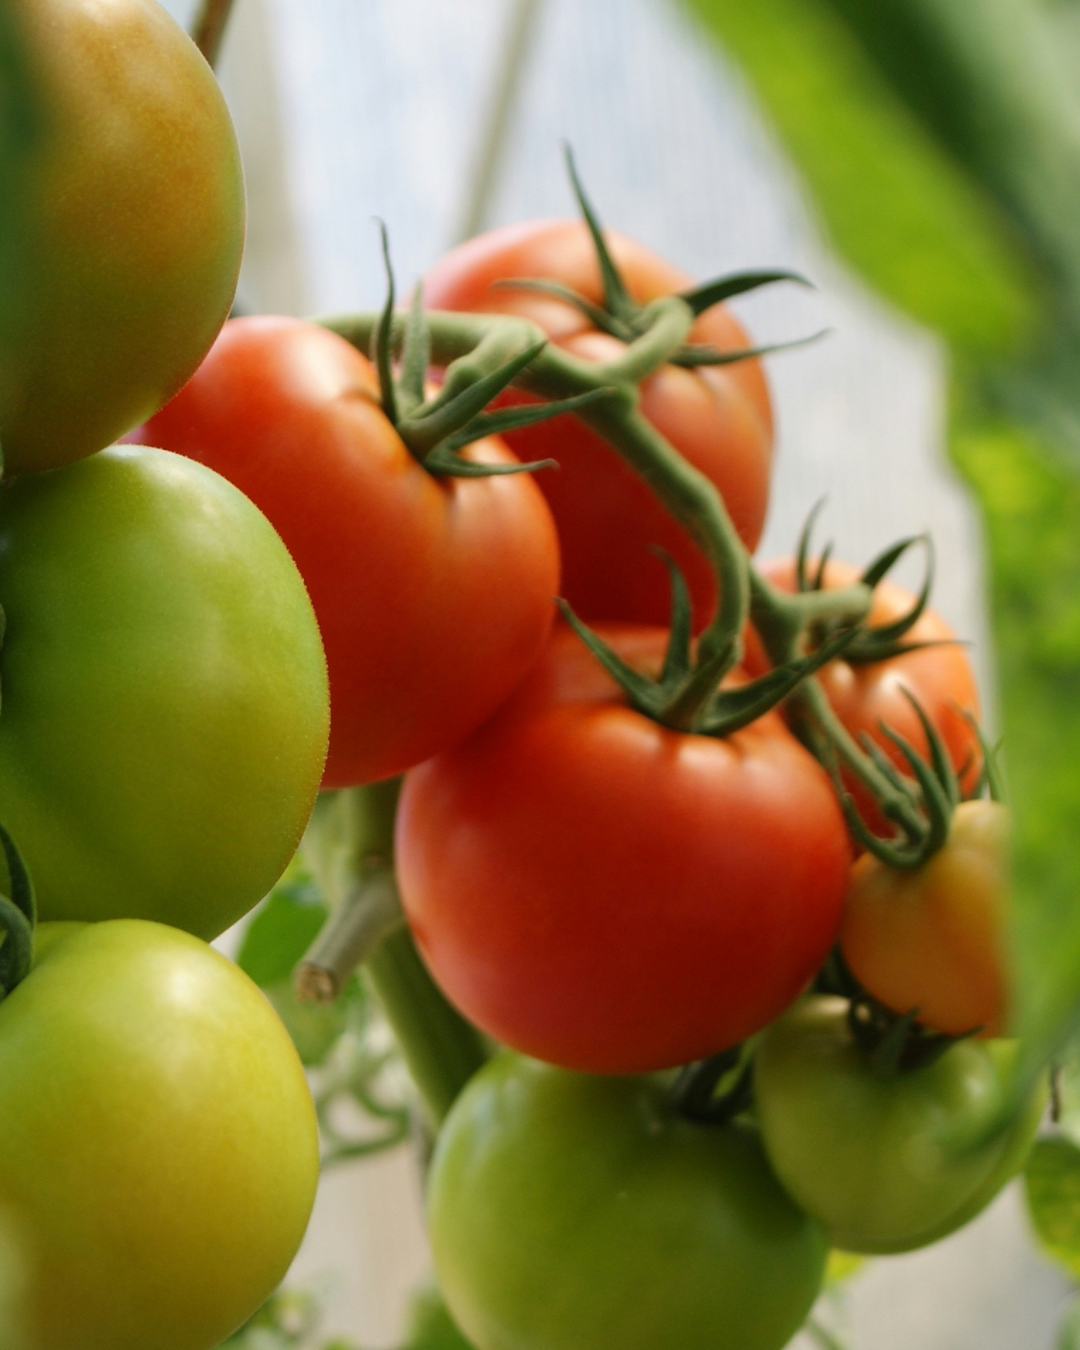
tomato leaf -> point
(1052, 1185)
(282, 929)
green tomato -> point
(160, 1147)
(132, 227)
(165, 708)
(884, 1163)
(568, 1212)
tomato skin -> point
(577, 1213)
(718, 418)
(434, 596)
(932, 938)
(883, 1162)
(164, 691)
(160, 1145)
(867, 694)
(135, 213)
(609, 895)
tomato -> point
(433, 595)
(610, 895)
(933, 938)
(160, 1146)
(135, 216)
(719, 418)
(164, 691)
(885, 1163)
(576, 1213)
(866, 694)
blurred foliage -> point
(1069, 1331)
(1052, 1184)
(356, 1079)
(940, 140)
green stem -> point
(208, 28)
(441, 1050)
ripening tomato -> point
(932, 938)
(133, 222)
(164, 691)
(568, 1212)
(886, 1163)
(719, 418)
(866, 694)
(610, 895)
(433, 595)
(160, 1145)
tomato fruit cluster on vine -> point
(707, 855)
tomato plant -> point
(866, 694)
(885, 1161)
(575, 1213)
(608, 894)
(164, 691)
(718, 417)
(160, 1150)
(134, 213)
(433, 595)
(932, 939)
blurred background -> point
(349, 110)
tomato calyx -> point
(622, 317)
(437, 429)
(18, 915)
(714, 1091)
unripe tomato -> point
(933, 938)
(160, 1146)
(134, 220)
(575, 1213)
(433, 595)
(607, 894)
(719, 418)
(164, 691)
(886, 1163)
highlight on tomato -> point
(434, 594)
(164, 691)
(160, 1144)
(585, 1213)
(133, 217)
(600, 891)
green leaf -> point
(897, 205)
(1052, 1184)
(282, 928)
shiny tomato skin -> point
(933, 938)
(134, 216)
(569, 1212)
(865, 695)
(160, 1144)
(608, 895)
(886, 1163)
(719, 418)
(165, 706)
(434, 596)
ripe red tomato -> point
(933, 938)
(610, 895)
(433, 595)
(133, 216)
(719, 418)
(866, 694)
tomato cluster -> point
(708, 855)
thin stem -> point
(208, 28)
(670, 319)
(441, 1049)
(498, 116)
(354, 930)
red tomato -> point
(865, 695)
(433, 595)
(718, 417)
(609, 895)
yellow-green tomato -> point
(131, 223)
(165, 706)
(160, 1150)
(885, 1163)
(568, 1212)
